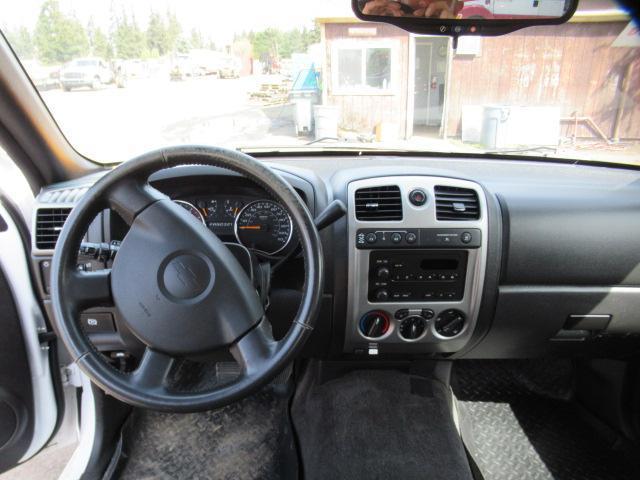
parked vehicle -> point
(230, 67)
(182, 67)
(86, 72)
(43, 77)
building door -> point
(429, 87)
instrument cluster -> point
(261, 225)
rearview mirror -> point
(465, 17)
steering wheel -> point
(178, 289)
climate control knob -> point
(413, 327)
(450, 323)
(374, 324)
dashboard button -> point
(97, 322)
(396, 237)
(418, 197)
(428, 313)
(371, 238)
(466, 237)
(411, 237)
(402, 313)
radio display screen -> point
(439, 264)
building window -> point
(364, 70)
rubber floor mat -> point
(519, 424)
(250, 439)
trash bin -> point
(494, 126)
(303, 117)
(304, 95)
(326, 121)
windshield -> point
(305, 74)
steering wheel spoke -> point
(254, 349)
(153, 370)
(131, 197)
(90, 289)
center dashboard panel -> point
(416, 264)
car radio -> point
(417, 275)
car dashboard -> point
(435, 257)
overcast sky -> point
(217, 19)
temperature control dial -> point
(450, 323)
(413, 327)
(374, 324)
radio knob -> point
(382, 295)
(383, 273)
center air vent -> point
(379, 204)
(49, 222)
(454, 203)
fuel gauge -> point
(232, 208)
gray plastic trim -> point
(413, 217)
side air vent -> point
(453, 203)
(379, 204)
(49, 222)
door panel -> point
(16, 393)
(28, 410)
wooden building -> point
(381, 75)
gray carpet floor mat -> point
(377, 425)
(251, 439)
(518, 423)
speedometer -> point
(264, 226)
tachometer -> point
(264, 226)
(191, 208)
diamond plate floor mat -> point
(520, 424)
(250, 439)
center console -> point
(417, 256)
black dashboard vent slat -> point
(49, 222)
(455, 203)
(379, 204)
